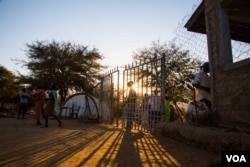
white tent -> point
(80, 105)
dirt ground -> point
(76, 144)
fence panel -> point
(143, 94)
(140, 99)
(109, 97)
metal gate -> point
(135, 100)
(109, 98)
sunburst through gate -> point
(133, 97)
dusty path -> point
(77, 144)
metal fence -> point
(136, 99)
(109, 100)
(196, 43)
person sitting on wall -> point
(201, 84)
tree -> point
(9, 89)
(180, 69)
(64, 64)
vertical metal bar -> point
(134, 110)
(138, 111)
(123, 98)
(101, 99)
(147, 90)
(163, 83)
(118, 97)
(141, 95)
(111, 109)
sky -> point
(117, 28)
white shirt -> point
(155, 103)
(24, 97)
(202, 79)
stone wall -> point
(230, 81)
(210, 138)
(233, 96)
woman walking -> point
(51, 107)
(40, 99)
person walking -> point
(40, 99)
(23, 106)
(51, 107)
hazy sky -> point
(117, 28)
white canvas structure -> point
(79, 105)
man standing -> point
(24, 100)
(155, 109)
(131, 104)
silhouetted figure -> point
(131, 104)
(24, 101)
(51, 106)
(154, 109)
(40, 100)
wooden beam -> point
(240, 19)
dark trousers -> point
(54, 117)
(22, 109)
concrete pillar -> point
(219, 46)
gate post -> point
(163, 84)
(101, 99)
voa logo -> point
(236, 158)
